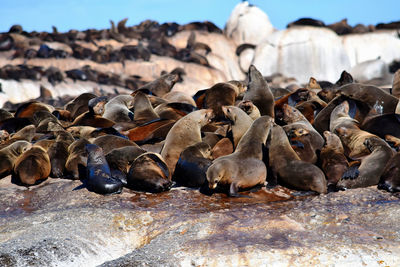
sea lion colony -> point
(233, 136)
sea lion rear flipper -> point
(233, 191)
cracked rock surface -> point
(54, 225)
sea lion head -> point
(20, 147)
(214, 175)
(95, 154)
(291, 114)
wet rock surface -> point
(52, 224)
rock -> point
(54, 225)
(370, 69)
(245, 59)
(302, 52)
(248, 24)
(222, 56)
(363, 47)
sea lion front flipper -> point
(351, 173)
(233, 191)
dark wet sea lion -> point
(372, 166)
(382, 125)
(184, 133)
(119, 160)
(32, 166)
(150, 173)
(9, 154)
(259, 93)
(301, 142)
(333, 161)
(192, 165)
(98, 177)
(287, 167)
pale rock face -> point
(248, 24)
(222, 56)
(302, 52)
(369, 70)
(245, 59)
(363, 47)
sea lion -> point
(109, 142)
(178, 96)
(4, 114)
(120, 159)
(184, 133)
(295, 120)
(220, 94)
(77, 158)
(98, 177)
(79, 105)
(223, 147)
(58, 153)
(250, 109)
(288, 169)
(350, 134)
(244, 168)
(153, 131)
(32, 166)
(174, 110)
(333, 161)
(383, 124)
(142, 109)
(240, 122)
(162, 85)
(307, 22)
(394, 142)
(372, 166)
(313, 85)
(301, 142)
(259, 93)
(117, 109)
(247, 173)
(396, 84)
(150, 173)
(93, 117)
(9, 154)
(390, 179)
(27, 110)
(192, 165)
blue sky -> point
(40, 15)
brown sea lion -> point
(287, 167)
(149, 172)
(143, 110)
(117, 108)
(295, 120)
(244, 168)
(79, 105)
(220, 94)
(222, 148)
(27, 110)
(301, 142)
(240, 122)
(259, 93)
(350, 134)
(390, 179)
(58, 153)
(109, 142)
(32, 166)
(152, 131)
(313, 85)
(184, 133)
(250, 109)
(333, 161)
(162, 85)
(77, 156)
(4, 114)
(9, 154)
(396, 84)
(178, 96)
(192, 165)
(372, 166)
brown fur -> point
(9, 154)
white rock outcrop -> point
(368, 46)
(248, 24)
(370, 69)
(302, 52)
